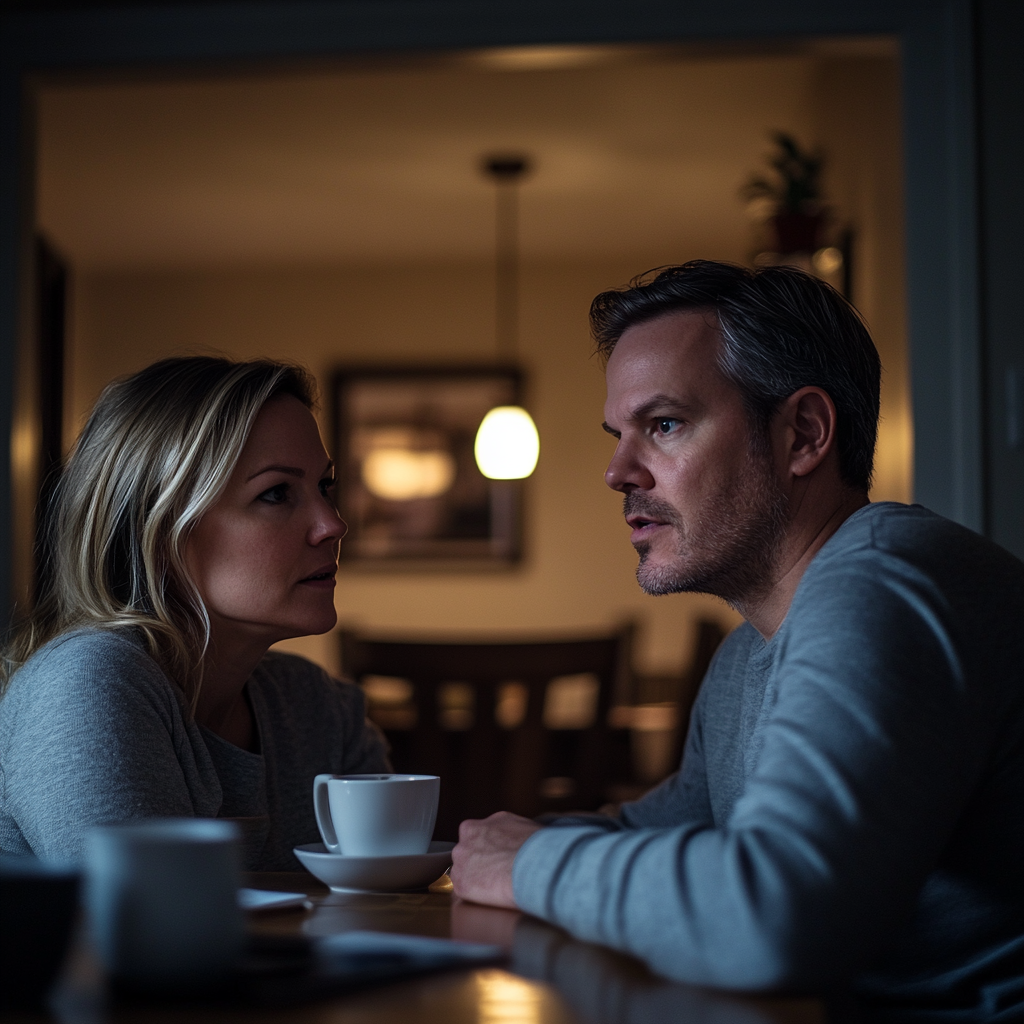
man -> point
(850, 808)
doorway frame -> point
(937, 46)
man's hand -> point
(482, 859)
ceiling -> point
(638, 152)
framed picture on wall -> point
(408, 484)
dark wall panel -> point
(1001, 124)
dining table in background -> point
(545, 977)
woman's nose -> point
(328, 525)
(626, 472)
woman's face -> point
(265, 555)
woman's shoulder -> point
(91, 644)
(89, 660)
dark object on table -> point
(515, 726)
(292, 970)
(38, 908)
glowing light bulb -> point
(399, 474)
(507, 444)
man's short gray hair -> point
(782, 330)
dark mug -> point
(38, 907)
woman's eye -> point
(327, 486)
(275, 495)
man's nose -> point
(626, 472)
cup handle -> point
(322, 809)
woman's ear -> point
(807, 420)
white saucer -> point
(375, 874)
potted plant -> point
(792, 195)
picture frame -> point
(408, 484)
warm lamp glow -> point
(827, 260)
(507, 445)
(401, 474)
(505, 999)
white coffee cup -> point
(162, 898)
(376, 815)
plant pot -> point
(797, 232)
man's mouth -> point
(642, 531)
(642, 522)
(645, 516)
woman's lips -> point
(322, 578)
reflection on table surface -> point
(548, 978)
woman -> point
(193, 527)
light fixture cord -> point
(506, 311)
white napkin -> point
(264, 899)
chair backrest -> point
(508, 726)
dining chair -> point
(520, 726)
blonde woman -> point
(193, 528)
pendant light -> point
(507, 444)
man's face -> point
(705, 506)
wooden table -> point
(548, 978)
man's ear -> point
(807, 422)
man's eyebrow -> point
(656, 403)
(659, 402)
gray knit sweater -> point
(850, 808)
(92, 731)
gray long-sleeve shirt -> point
(851, 802)
(92, 731)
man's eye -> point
(275, 495)
(665, 426)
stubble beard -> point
(730, 549)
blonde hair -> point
(155, 454)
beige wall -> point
(578, 570)
(857, 119)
